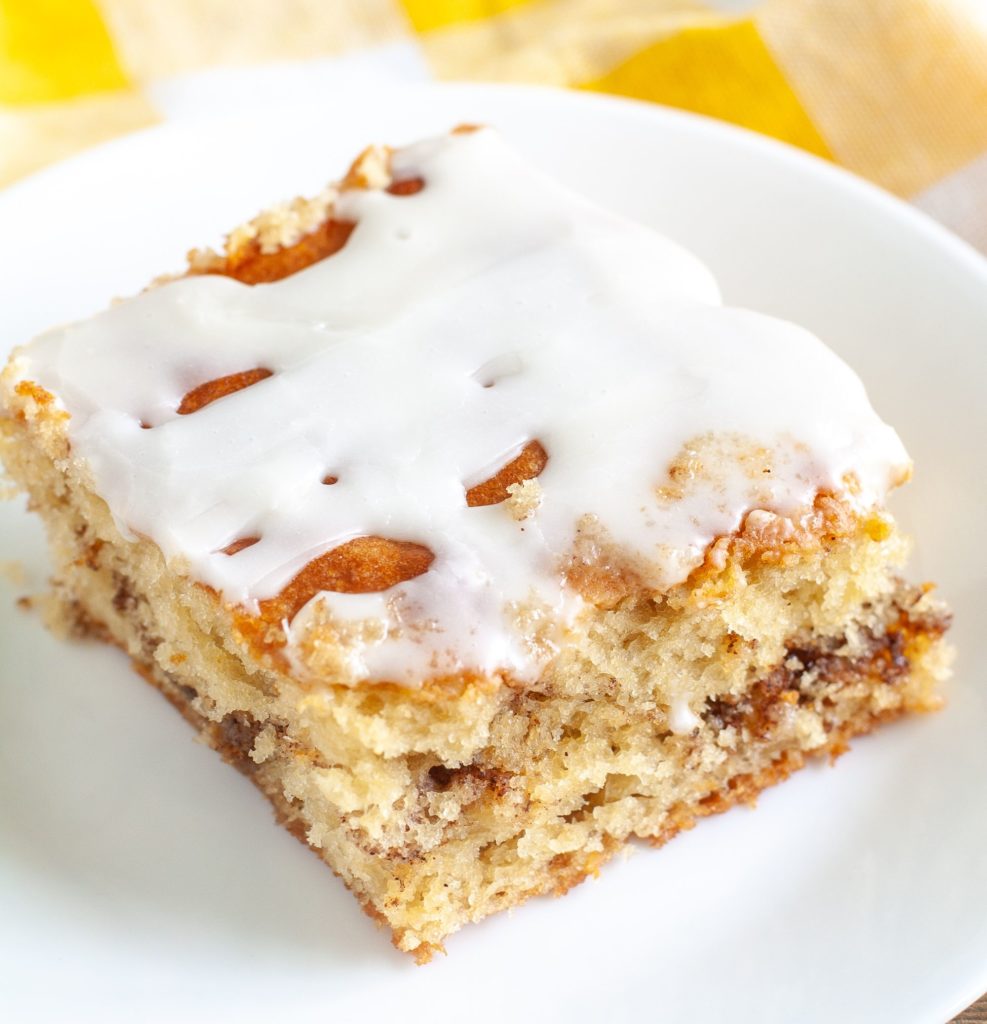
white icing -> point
(681, 718)
(600, 338)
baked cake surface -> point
(462, 516)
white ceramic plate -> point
(140, 878)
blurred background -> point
(894, 90)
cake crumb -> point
(200, 261)
(524, 498)
(809, 729)
(284, 224)
(727, 738)
(264, 745)
(371, 169)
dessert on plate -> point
(461, 515)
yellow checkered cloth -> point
(895, 90)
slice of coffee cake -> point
(462, 516)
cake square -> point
(462, 516)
